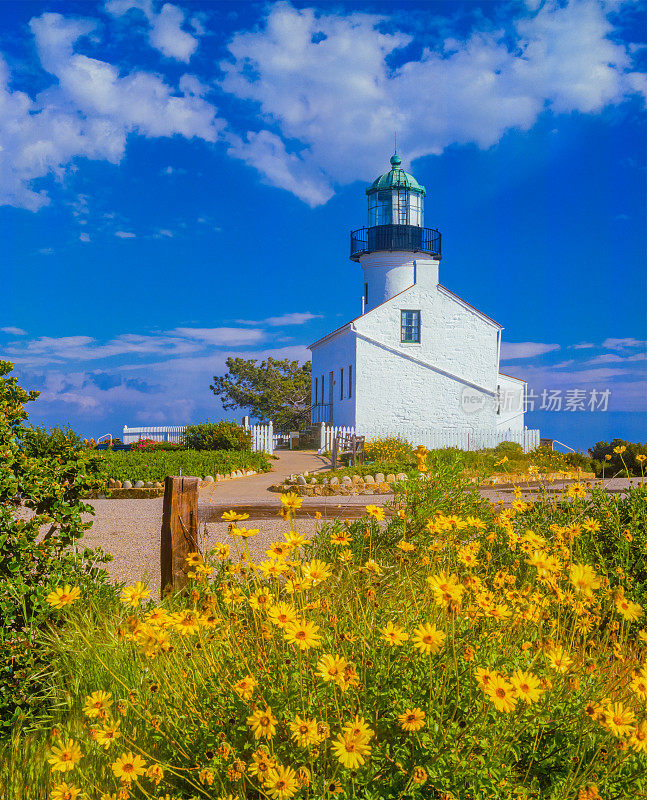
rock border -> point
(116, 490)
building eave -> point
(512, 377)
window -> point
(350, 380)
(341, 383)
(410, 326)
(366, 294)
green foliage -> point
(389, 449)
(509, 448)
(272, 390)
(155, 465)
(222, 435)
(608, 463)
(43, 476)
(39, 442)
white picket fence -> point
(436, 439)
(160, 433)
(262, 435)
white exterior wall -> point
(331, 356)
(512, 393)
(389, 273)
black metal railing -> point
(321, 413)
(394, 237)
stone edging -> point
(117, 491)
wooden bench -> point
(351, 446)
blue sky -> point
(177, 183)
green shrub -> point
(43, 476)
(222, 435)
(38, 442)
(155, 465)
(610, 463)
(509, 448)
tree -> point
(272, 390)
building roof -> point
(396, 178)
(440, 286)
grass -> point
(458, 650)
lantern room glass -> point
(395, 207)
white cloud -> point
(88, 111)
(622, 344)
(164, 232)
(582, 346)
(221, 336)
(166, 31)
(511, 351)
(14, 331)
(293, 318)
(616, 358)
(84, 237)
(326, 84)
(125, 235)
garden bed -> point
(153, 466)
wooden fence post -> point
(179, 530)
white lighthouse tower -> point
(418, 358)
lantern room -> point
(396, 198)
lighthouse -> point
(418, 359)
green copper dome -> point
(396, 178)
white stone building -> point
(419, 357)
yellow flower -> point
(584, 578)
(63, 597)
(245, 687)
(96, 704)
(245, 533)
(576, 490)
(65, 756)
(629, 610)
(128, 767)
(291, 501)
(445, 588)
(281, 614)
(222, 550)
(131, 595)
(331, 668)
(484, 677)
(317, 571)
(641, 457)
(393, 635)
(233, 516)
(558, 659)
(412, 720)
(526, 686)
(405, 546)
(106, 736)
(261, 600)
(619, 450)
(304, 731)
(263, 723)
(185, 622)
(376, 512)
(373, 567)
(281, 783)
(155, 773)
(302, 634)
(501, 693)
(619, 719)
(419, 776)
(591, 525)
(351, 752)
(64, 791)
(193, 559)
(294, 539)
(342, 538)
(639, 686)
(638, 740)
(428, 639)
